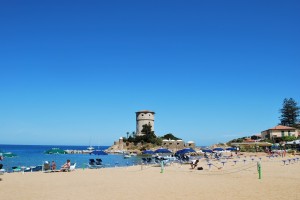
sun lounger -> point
(95, 164)
(2, 171)
(72, 167)
(92, 162)
(98, 161)
(46, 166)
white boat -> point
(90, 148)
(127, 155)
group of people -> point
(64, 167)
(281, 153)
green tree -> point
(147, 137)
(170, 136)
(147, 129)
(288, 138)
(289, 113)
(133, 133)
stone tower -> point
(144, 117)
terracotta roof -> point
(280, 127)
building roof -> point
(145, 111)
(280, 127)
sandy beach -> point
(233, 181)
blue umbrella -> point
(148, 152)
(218, 149)
(98, 152)
(184, 151)
(207, 151)
(230, 149)
(162, 151)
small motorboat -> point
(127, 156)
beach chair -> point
(144, 160)
(98, 161)
(46, 166)
(92, 162)
(72, 167)
(16, 169)
(149, 160)
(1, 170)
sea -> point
(34, 155)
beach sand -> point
(232, 182)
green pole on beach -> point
(259, 170)
(162, 167)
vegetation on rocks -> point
(148, 139)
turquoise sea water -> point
(33, 155)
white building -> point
(144, 117)
(278, 132)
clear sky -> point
(72, 72)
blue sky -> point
(72, 72)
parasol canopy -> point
(184, 151)
(8, 155)
(231, 149)
(207, 151)
(218, 149)
(148, 152)
(162, 150)
(55, 151)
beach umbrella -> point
(184, 151)
(148, 152)
(8, 155)
(218, 149)
(55, 151)
(230, 149)
(162, 151)
(207, 151)
(99, 152)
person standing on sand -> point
(53, 166)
